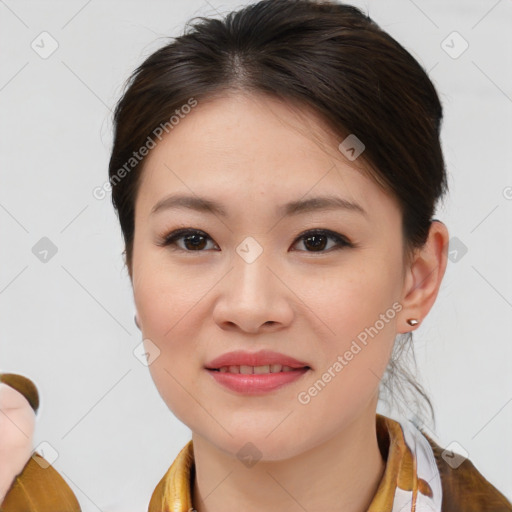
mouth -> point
(256, 380)
(258, 370)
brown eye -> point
(196, 241)
(193, 240)
(317, 240)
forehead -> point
(253, 148)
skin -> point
(253, 153)
(17, 424)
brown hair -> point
(326, 56)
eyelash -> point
(171, 238)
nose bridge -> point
(252, 278)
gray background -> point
(67, 323)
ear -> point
(423, 277)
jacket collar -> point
(410, 481)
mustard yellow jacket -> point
(419, 476)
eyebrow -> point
(202, 204)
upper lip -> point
(261, 358)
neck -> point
(342, 473)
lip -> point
(254, 383)
(257, 383)
(260, 358)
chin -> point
(253, 445)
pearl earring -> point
(412, 321)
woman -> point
(275, 176)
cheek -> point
(167, 301)
(354, 296)
(354, 348)
(165, 294)
(167, 309)
(358, 308)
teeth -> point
(273, 368)
(257, 369)
(244, 369)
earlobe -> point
(424, 276)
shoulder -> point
(465, 489)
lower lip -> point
(256, 383)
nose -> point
(253, 297)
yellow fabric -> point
(39, 488)
(463, 488)
(400, 467)
(173, 492)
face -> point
(256, 277)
